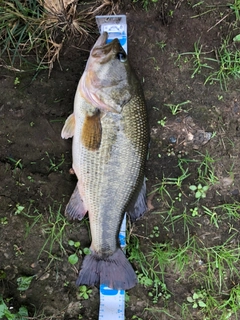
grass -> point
(6, 312)
(221, 68)
(177, 108)
(52, 225)
(227, 60)
(208, 266)
(146, 3)
(33, 33)
(235, 7)
(53, 230)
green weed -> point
(197, 57)
(197, 299)
(19, 209)
(162, 187)
(54, 230)
(200, 191)
(136, 317)
(229, 210)
(161, 44)
(54, 164)
(146, 3)
(163, 121)
(4, 220)
(16, 81)
(73, 258)
(235, 6)
(24, 282)
(227, 60)
(155, 232)
(16, 163)
(212, 214)
(18, 250)
(177, 108)
(194, 211)
(5, 312)
(84, 292)
(205, 169)
(36, 216)
(223, 67)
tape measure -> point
(112, 302)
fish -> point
(109, 127)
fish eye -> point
(121, 56)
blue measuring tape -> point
(112, 302)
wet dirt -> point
(34, 160)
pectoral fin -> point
(75, 208)
(91, 134)
(69, 127)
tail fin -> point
(114, 271)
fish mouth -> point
(101, 40)
(104, 50)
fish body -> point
(110, 141)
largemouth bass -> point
(110, 141)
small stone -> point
(173, 139)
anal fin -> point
(138, 205)
(75, 208)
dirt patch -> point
(195, 141)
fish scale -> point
(107, 182)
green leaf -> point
(198, 194)
(193, 188)
(236, 38)
(87, 251)
(2, 275)
(195, 296)
(24, 283)
(3, 308)
(71, 242)
(23, 312)
(190, 299)
(85, 296)
(77, 244)
(202, 304)
(73, 258)
(4, 312)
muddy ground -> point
(34, 162)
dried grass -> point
(43, 27)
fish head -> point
(106, 82)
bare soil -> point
(35, 161)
